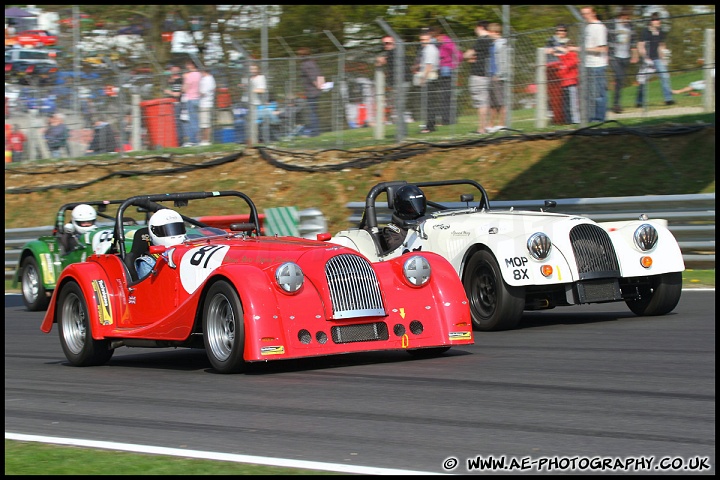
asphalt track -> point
(590, 386)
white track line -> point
(224, 457)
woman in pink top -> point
(191, 92)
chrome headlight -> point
(539, 246)
(645, 237)
(417, 270)
(289, 277)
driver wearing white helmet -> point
(83, 221)
(167, 228)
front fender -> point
(266, 307)
(666, 255)
(519, 268)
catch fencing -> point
(356, 109)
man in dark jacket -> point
(103, 139)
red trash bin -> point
(555, 93)
(159, 115)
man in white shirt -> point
(428, 78)
(596, 62)
(207, 102)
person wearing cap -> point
(623, 52)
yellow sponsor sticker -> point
(460, 336)
(47, 268)
(102, 300)
(279, 350)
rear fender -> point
(97, 290)
(45, 259)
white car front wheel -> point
(494, 304)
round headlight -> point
(417, 270)
(289, 277)
(539, 246)
(645, 237)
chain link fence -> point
(355, 109)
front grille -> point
(354, 287)
(594, 252)
(367, 332)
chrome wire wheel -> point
(224, 328)
(74, 324)
(30, 283)
(73, 318)
(221, 327)
(34, 295)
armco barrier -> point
(311, 222)
(691, 218)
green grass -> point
(30, 458)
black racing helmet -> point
(409, 202)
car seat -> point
(140, 246)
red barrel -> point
(159, 115)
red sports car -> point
(36, 38)
(246, 298)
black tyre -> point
(224, 328)
(34, 294)
(74, 328)
(428, 352)
(494, 305)
(661, 296)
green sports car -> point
(42, 260)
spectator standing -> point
(191, 91)
(16, 143)
(174, 90)
(312, 81)
(207, 103)
(498, 75)
(651, 49)
(556, 48)
(623, 52)
(596, 62)
(428, 78)
(103, 140)
(395, 94)
(569, 71)
(556, 45)
(479, 83)
(57, 135)
(257, 87)
(450, 59)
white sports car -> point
(510, 260)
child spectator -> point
(568, 73)
(16, 144)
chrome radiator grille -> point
(594, 252)
(354, 287)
